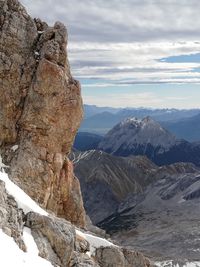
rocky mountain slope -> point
(151, 208)
(146, 137)
(40, 112)
(86, 141)
(163, 221)
(106, 180)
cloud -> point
(134, 62)
(126, 41)
(123, 100)
(144, 99)
(122, 21)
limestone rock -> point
(119, 257)
(82, 260)
(135, 259)
(40, 110)
(110, 257)
(11, 218)
(82, 245)
(54, 237)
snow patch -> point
(14, 148)
(23, 200)
(81, 156)
(181, 201)
(174, 264)
(12, 255)
(30, 242)
(94, 241)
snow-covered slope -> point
(95, 242)
(11, 254)
(23, 200)
(175, 264)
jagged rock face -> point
(55, 238)
(40, 110)
(11, 218)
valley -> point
(141, 184)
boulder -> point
(55, 237)
(120, 257)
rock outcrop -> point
(11, 218)
(116, 257)
(55, 238)
(40, 110)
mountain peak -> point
(133, 132)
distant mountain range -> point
(91, 110)
(187, 128)
(147, 137)
(183, 123)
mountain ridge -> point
(147, 137)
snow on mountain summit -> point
(133, 132)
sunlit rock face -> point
(40, 110)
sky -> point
(131, 53)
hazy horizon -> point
(131, 53)
(146, 107)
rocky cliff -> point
(40, 110)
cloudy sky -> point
(131, 53)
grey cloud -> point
(109, 39)
(122, 21)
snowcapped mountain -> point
(133, 131)
(146, 137)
